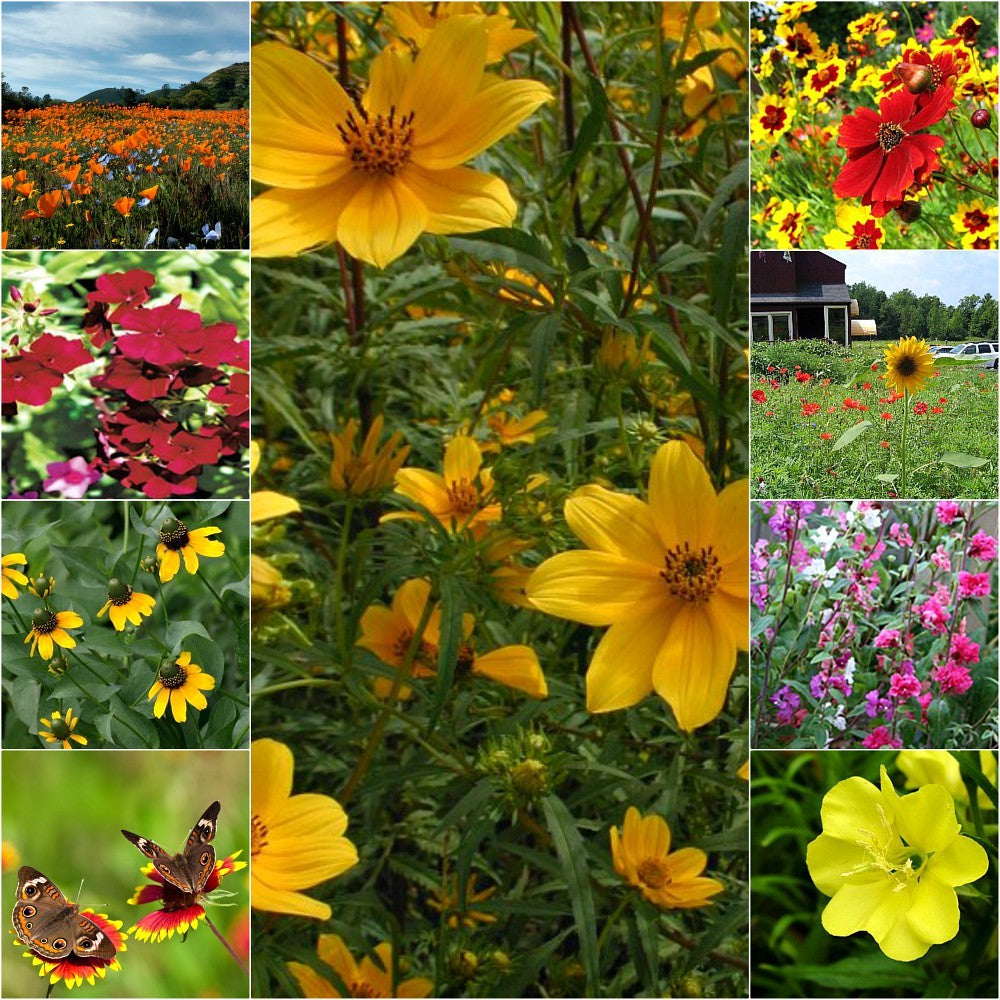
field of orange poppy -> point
(103, 177)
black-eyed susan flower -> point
(891, 864)
(126, 605)
(908, 365)
(455, 908)
(670, 578)
(74, 970)
(48, 630)
(179, 911)
(388, 633)
(13, 576)
(374, 174)
(669, 879)
(59, 729)
(180, 683)
(362, 979)
(297, 841)
(266, 504)
(176, 541)
(369, 469)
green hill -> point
(228, 87)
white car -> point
(987, 351)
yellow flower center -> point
(653, 872)
(906, 366)
(890, 135)
(377, 143)
(258, 835)
(691, 574)
(463, 495)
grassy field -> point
(95, 177)
(797, 422)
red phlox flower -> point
(235, 396)
(163, 335)
(124, 289)
(27, 381)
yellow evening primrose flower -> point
(59, 729)
(48, 629)
(375, 174)
(669, 879)
(12, 576)
(126, 605)
(891, 864)
(265, 504)
(180, 683)
(362, 979)
(388, 632)
(414, 23)
(908, 365)
(938, 767)
(297, 841)
(670, 578)
(177, 542)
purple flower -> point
(70, 479)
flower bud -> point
(980, 118)
(916, 79)
(909, 211)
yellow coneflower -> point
(176, 541)
(12, 576)
(59, 729)
(125, 604)
(180, 683)
(48, 630)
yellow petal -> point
(596, 588)
(926, 818)
(961, 862)
(265, 504)
(497, 108)
(461, 200)
(693, 667)
(514, 666)
(462, 459)
(731, 542)
(386, 81)
(381, 221)
(851, 804)
(311, 983)
(933, 911)
(271, 767)
(829, 859)
(621, 673)
(731, 615)
(682, 498)
(410, 599)
(615, 523)
(281, 901)
(427, 489)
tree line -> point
(906, 314)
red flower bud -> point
(908, 211)
(980, 118)
(916, 79)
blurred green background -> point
(791, 954)
(62, 814)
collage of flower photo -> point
(499, 499)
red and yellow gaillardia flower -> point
(670, 578)
(75, 969)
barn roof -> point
(810, 294)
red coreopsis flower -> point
(179, 911)
(886, 151)
(74, 969)
(163, 335)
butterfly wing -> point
(197, 854)
(203, 831)
(42, 915)
(168, 865)
(89, 940)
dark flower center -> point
(691, 575)
(174, 534)
(119, 594)
(173, 676)
(377, 143)
(359, 988)
(463, 495)
(774, 118)
(906, 366)
(890, 135)
(44, 622)
(60, 730)
(653, 872)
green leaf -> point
(962, 461)
(851, 434)
(573, 861)
(543, 336)
(87, 563)
(590, 128)
(472, 802)
(511, 246)
(25, 695)
(178, 631)
(449, 644)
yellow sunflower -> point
(374, 174)
(126, 604)
(176, 541)
(364, 979)
(670, 578)
(48, 629)
(669, 879)
(11, 575)
(908, 365)
(59, 729)
(180, 683)
(297, 841)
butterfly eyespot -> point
(28, 911)
(165, 869)
(28, 926)
(31, 891)
(204, 857)
(59, 943)
(85, 943)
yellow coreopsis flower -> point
(266, 504)
(297, 841)
(414, 23)
(364, 979)
(670, 578)
(11, 575)
(375, 174)
(669, 879)
(891, 864)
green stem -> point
(609, 924)
(226, 945)
(218, 600)
(291, 685)
(340, 627)
(17, 614)
(906, 418)
(163, 601)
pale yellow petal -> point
(265, 504)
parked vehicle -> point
(987, 351)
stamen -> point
(377, 143)
(691, 574)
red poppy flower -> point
(810, 409)
(920, 409)
(886, 416)
(884, 152)
(884, 444)
(826, 436)
(937, 409)
(866, 386)
(758, 396)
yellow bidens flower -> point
(267, 586)
(59, 729)
(367, 979)
(908, 365)
(388, 632)
(373, 468)
(374, 175)
(414, 23)
(126, 604)
(11, 575)
(180, 683)
(265, 504)
(48, 629)
(176, 541)
(297, 841)
(670, 578)
(891, 864)
(670, 879)
(455, 908)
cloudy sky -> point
(69, 49)
(948, 274)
